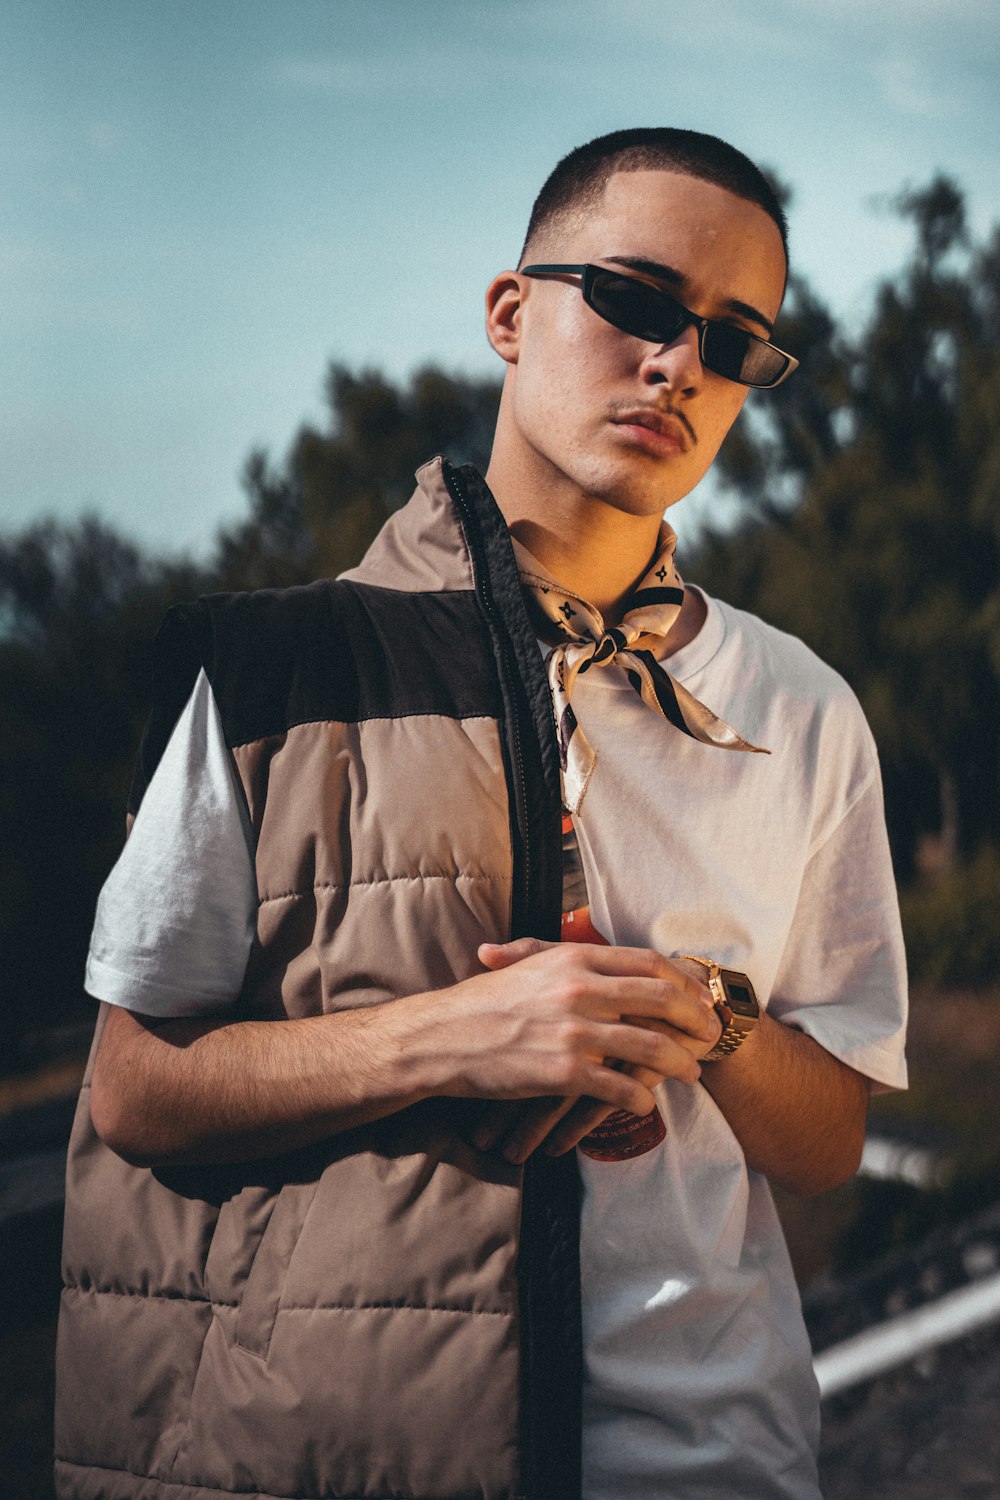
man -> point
(326, 1234)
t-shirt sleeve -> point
(175, 919)
(842, 977)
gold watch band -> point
(710, 964)
(732, 1036)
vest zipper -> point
(482, 581)
(549, 1264)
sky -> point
(204, 202)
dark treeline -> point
(871, 484)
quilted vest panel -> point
(346, 1320)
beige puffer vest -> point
(389, 1313)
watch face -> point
(739, 993)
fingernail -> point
(512, 1153)
(484, 1139)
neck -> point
(591, 547)
(588, 574)
(605, 575)
(594, 549)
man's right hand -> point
(564, 1019)
(556, 1020)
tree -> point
(878, 538)
(873, 531)
(317, 515)
(77, 608)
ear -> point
(503, 314)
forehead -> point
(724, 246)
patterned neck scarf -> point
(584, 642)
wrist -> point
(735, 1003)
(416, 1047)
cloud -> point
(103, 136)
(911, 89)
(23, 147)
(754, 33)
(894, 13)
(327, 74)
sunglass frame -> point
(589, 273)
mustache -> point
(622, 409)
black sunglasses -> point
(637, 307)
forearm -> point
(187, 1091)
(797, 1111)
(557, 1020)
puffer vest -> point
(390, 1312)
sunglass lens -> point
(726, 350)
(642, 310)
(739, 356)
(636, 308)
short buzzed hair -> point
(581, 177)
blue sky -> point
(204, 201)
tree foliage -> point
(316, 514)
(871, 482)
(876, 538)
(78, 606)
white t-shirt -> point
(699, 1382)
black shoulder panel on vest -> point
(323, 651)
(174, 665)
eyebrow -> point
(673, 277)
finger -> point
(697, 1031)
(502, 955)
(579, 1122)
(669, 996)
(532, 1126)
(585, 1116)
(653, 1000)
(653, 1048)
(617, 1088)
(642, 963)
(597, 1103)
(494, 1122)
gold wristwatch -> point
(736, 1005)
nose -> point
(677, 364)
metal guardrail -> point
(893, 1160)
(903, 1339)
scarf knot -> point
(583, 641)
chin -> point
(642, 486)
(631, 482)
(639, 499)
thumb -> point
(502, 955)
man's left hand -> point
(519, 1128)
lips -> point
(669, 431)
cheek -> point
(558, 386)
(573, 366)
(720, 416)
